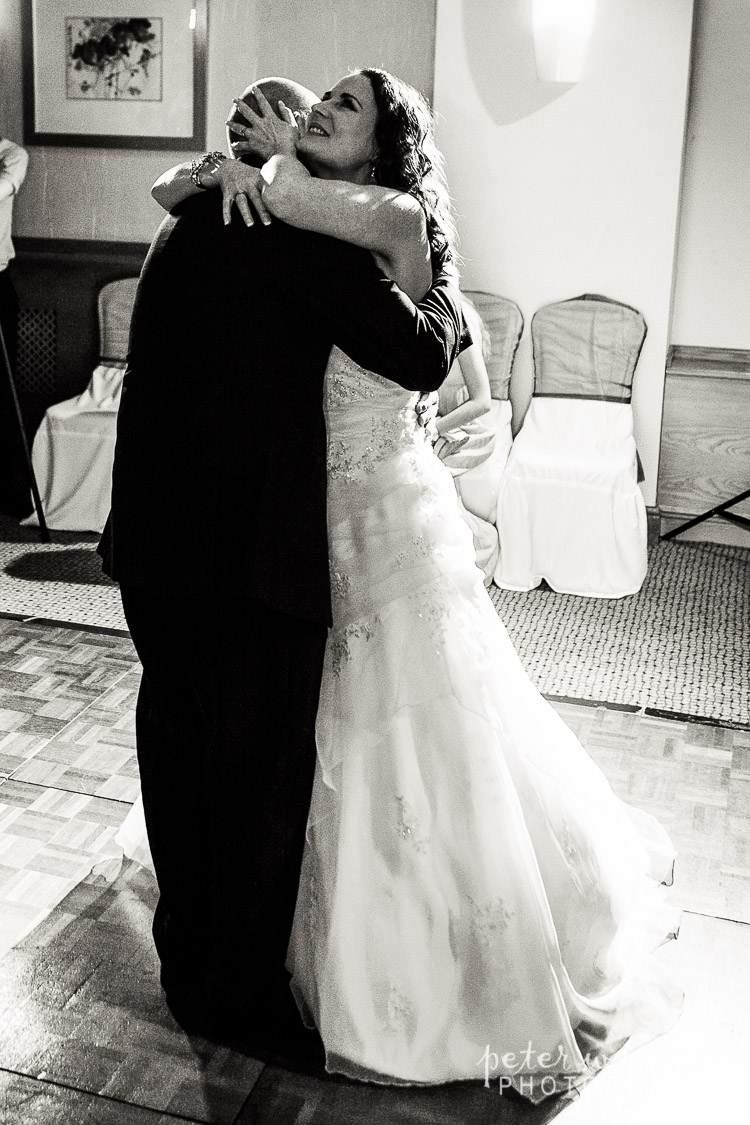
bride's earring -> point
(372, 172)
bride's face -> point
(339, 143)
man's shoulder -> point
(206, 207)
(203, 211)
(202, 205)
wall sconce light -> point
(562, 29)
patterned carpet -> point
(61, 581)
(678, 647)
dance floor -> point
(84, 1036)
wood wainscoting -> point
(705, 441)
(58, 281)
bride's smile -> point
(340, 139)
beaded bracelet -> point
(197, 166)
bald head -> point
(298, 98)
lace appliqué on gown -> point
(431, 605)
(409, 828)
(348, 462)
(490, 920)
(583, 876)
(347, 382)
(341, 584)
(341, 645)
(313, 910)
(418, 548)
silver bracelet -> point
(198, 166)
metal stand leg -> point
(719, 510)
(44, 534)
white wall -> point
(104, 193)
(562, 190)
(712, 284)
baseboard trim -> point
(710, 363)
(715, 530)
(84, 249)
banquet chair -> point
(477, 466)
(570, 511)
(74, 446)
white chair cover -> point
(477, 466)
(570, 511)
(74, 447)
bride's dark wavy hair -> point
(409, 160)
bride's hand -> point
(426, 409)
(264, 134)
(241, 185)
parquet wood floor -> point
(696, 779)
(84, 1036)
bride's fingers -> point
(244, 208)
(248, 113)
(227, 199)
(287, 115)
(259, 205)
(264, 105)
(238, 128)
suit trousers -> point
(225, 727)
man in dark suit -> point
(218, 539)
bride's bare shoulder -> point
(407, 258)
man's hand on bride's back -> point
(241, 186)
(263, 133)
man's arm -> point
(390, 223)
(477, 381)
(13, 164)
(368, 315)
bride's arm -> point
(389, 223)
(174, 185)
(240, 185)
(177, 183)
(477, 382)
(277, 135)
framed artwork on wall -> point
(130, 74)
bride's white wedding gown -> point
(474, 898)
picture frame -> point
(128, 74)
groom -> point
(217, 537)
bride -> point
(475, 902)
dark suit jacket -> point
(219, 482)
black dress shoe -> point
(252, 1027)
(190, 1012)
